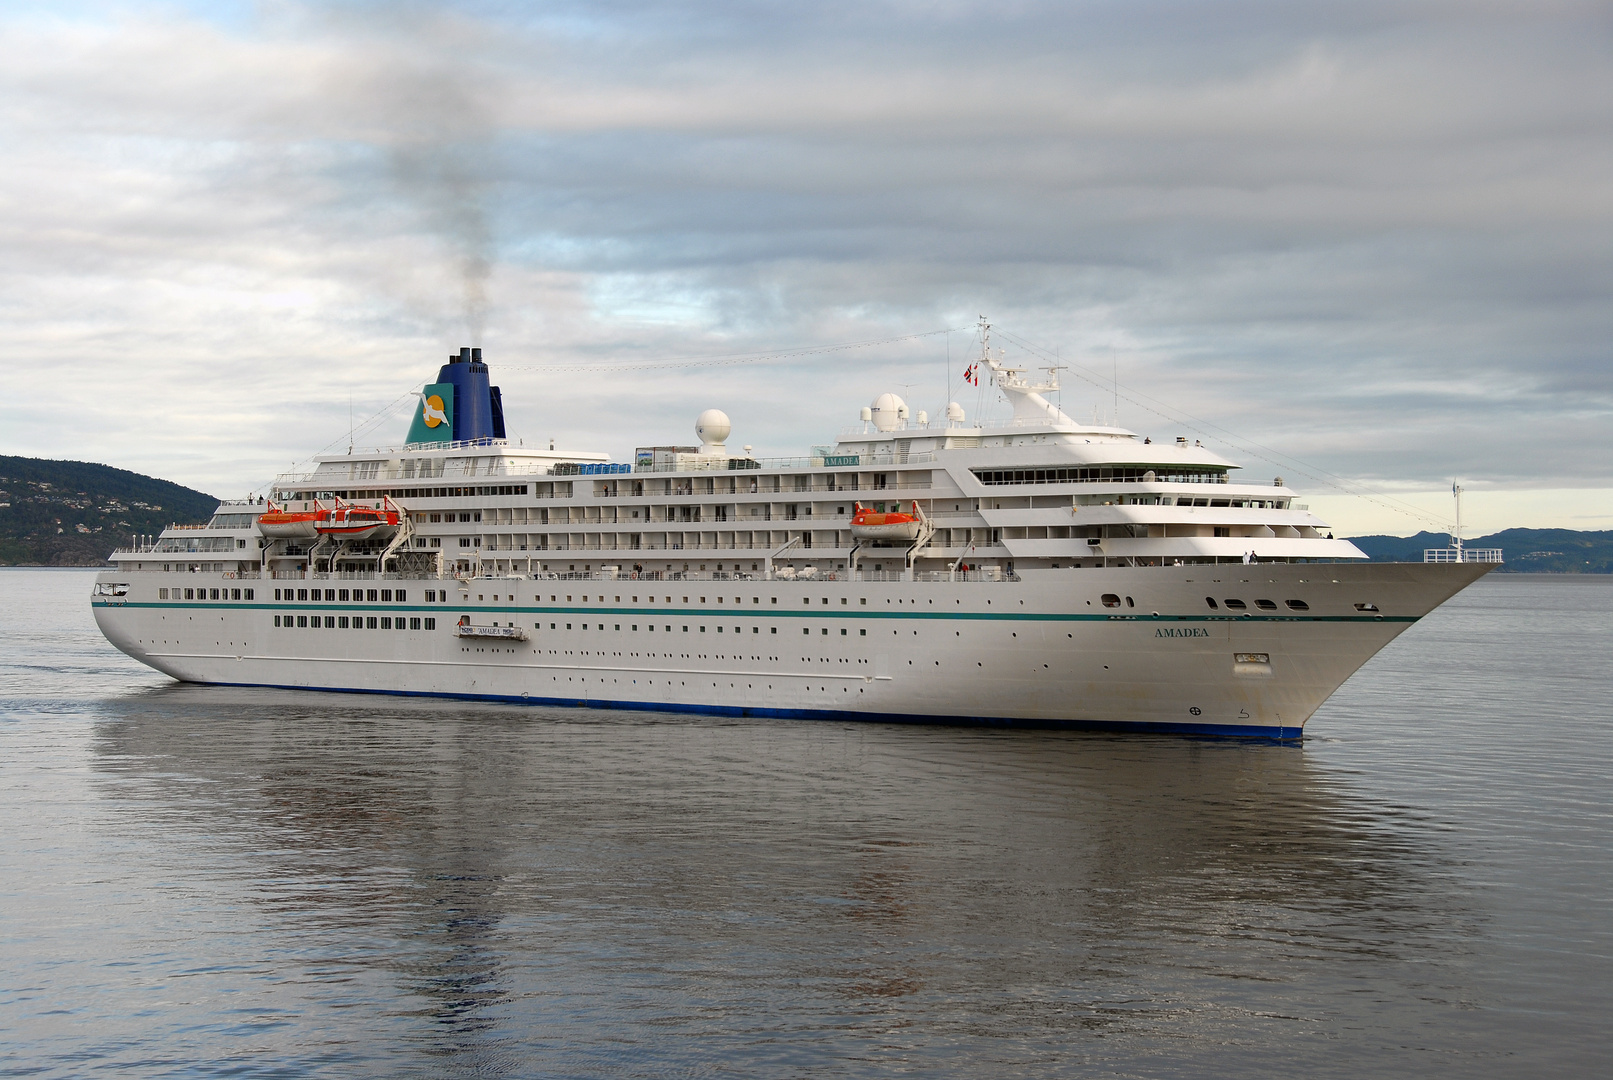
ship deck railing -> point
(1462, 555)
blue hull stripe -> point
(1150, 726)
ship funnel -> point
(476, 412)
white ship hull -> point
(1035, 653)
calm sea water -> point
(207, 882)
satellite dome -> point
(889, 411)
(712, 428)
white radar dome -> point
(712, 428)
(888, 411)
(954, 412)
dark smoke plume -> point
(441, 160)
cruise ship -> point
(1033, 570)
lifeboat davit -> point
(361, 522)
(282, 524)
(869, 524)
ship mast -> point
(1456, 536)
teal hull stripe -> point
(455, 610)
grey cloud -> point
(1376, 234)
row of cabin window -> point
(650, 627)
(356, 622)
(204, 594)
(1111, 600)
(806, 600)
(1263, 605)
(385, 596)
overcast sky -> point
(1365, 241)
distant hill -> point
(1526, 551)
(73, 513)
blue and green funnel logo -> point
(434, 416)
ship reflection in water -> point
(448, 888)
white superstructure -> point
(1065, 573)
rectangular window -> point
(302, 620)
(302, 594)
(402, 595)
(431, 624)
(313, 623)
(341, 622)
(249, 594)
(842, 632)
(772, 629)
(371, 596)
(386, 622)
(442, 597)
(162, 594)
(414, 624)
(342, 596)
(330, 622)
(431, 596)
(862, 633)
(635, 626)
(399, 623)
(330, 594)
(190, 594)
(369, 623)
(277, 620)
(358, 622)
(277, 594)
(235, 594)
(386, 596)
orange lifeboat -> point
(867, 524)
(282, 524)
(360, 522)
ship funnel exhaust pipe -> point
(476, 356)
(464, 356)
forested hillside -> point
(73, 513)
(1534, 551)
